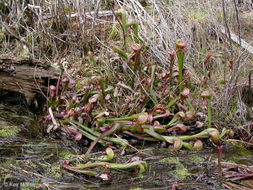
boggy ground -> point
(30, 161)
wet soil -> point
(30, 161)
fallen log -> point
(24, 76)
(236, 39)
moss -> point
(9, 131)
(181, 171)
(58, 175)
(54, 171)
(14, 114)
(195, 158)
(6, 164)
(7, 176)
(240, 150)
(34, 165)
(65, 154)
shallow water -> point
(31, 161)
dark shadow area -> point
(11, 98)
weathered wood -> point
(26, 76)
(235, 38)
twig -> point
(227, 28)
(14, 35)
(56, 125)
(89, 15)
(238, 21)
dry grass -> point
(52, 30)
(199, 24)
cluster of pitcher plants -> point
(155, 105)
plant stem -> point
(121, 53)
(180, 60)
(172, 102)
(102, 86)
(129, 118)
(209, 113)
(105, 158)
(152, 77)
(136, 35)
(87, 172)
(202, 134)
(106, 133)
(137, 51)
(219, 159)
(172, 57)
(122, 142)
(141, 164)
